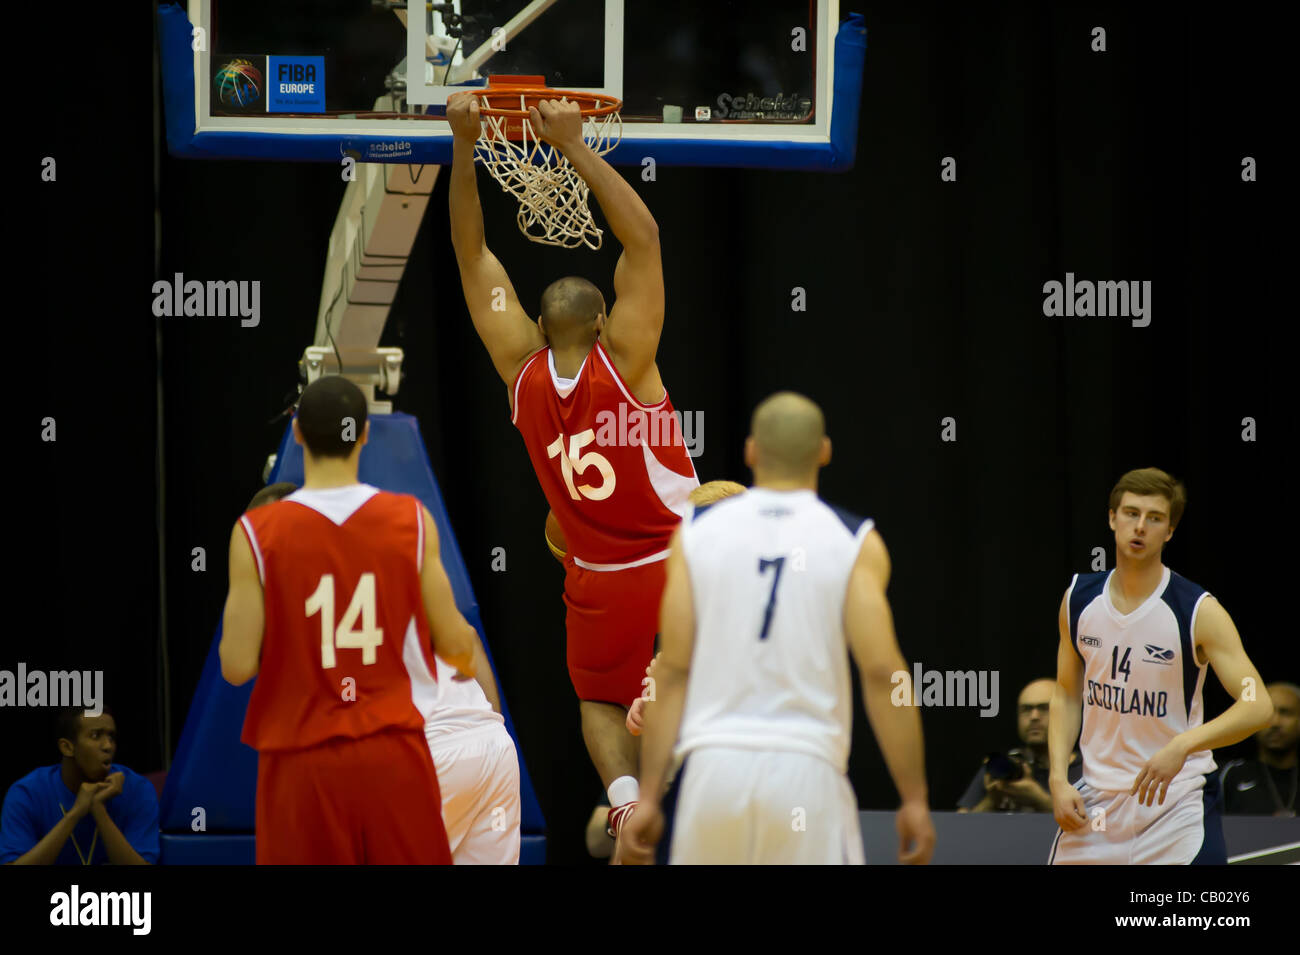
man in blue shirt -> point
(85, 809)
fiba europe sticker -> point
(295, 84)
(238, 84)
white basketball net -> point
(552, 196)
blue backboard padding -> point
(837, 155)
(215, 849)
(213, 769)
(186, 849)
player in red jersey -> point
(335, 595)
(585, 393)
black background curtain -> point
(924, 301)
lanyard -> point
(85, 860)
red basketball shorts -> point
(373, 800)
(612, 619)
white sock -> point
(623, 790)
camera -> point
(1010, 765)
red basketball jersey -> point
(346, 649)
(616, 472)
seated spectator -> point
(1267, 786)
(83, 810)
(1017, 780)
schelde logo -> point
(238, 83)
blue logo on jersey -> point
(1090, 641)
(1157, 654)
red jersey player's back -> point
(340, 571)
(615, 472)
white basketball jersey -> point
(1142, 684)
(462, 706)
(769, 573)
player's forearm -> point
(51, 844)
(662, 723)
(466, 213)
(460, 653)
(1064, 718)
(628, 216)
(120, 852)
(1244, 718)
(898, 732)
(483, 673)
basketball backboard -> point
(723, 82)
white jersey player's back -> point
(769, 572)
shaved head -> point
(569, 309)
(788, 431)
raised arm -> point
(636, 319)
(869, 627)
(501, 322)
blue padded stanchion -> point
(213, 770)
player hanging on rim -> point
(1135, 644)
(617, 493)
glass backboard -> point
(288, 78)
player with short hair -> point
(1131, 664)
(476, 760)
(768, 592)
(338, 599)
(585, 393)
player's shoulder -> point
(853, 522)
(1186, 600)
(696, 513)
(1086, 587)
(1180, 588)
(531, 366)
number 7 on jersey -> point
(763, 564)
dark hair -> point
(1152, 481)
(271, 493)
(67, 722)
(569, 309)
(331, 417)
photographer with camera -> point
(1016, 781)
